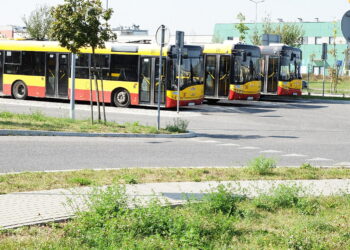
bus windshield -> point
(285, 71)
(191, 73)
(245, 70)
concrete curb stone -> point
(9, 132)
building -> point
(13, 32)
(316, 33)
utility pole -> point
(256, 8)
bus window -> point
(33, 63)
(124, 68)
(285, 71)
(82, 66)
(12, 62)
(102, 65)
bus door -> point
(224, 76)
(210, 76)
(270, 71)
(149, 80)
(1, 69)
(57, 70)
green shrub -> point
(178, 126)
(261, 165)
(221, 200)
(308, 206)
(281, 197)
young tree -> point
(38, 23)
(291, 34)
(83, 23)
(334, 71)
(241, 27)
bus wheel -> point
(121, 98)
(19, 90)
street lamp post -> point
(256, 8)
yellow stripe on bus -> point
(35, 81)
(84, 84)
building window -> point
(318, 40)
(305, 40)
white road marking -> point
(319, 159)
(208, 141)
(249, 148)
(271, 151)
(342, 164)
(229, 144)
(294, 155)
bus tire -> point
(19, 90)
(121, 98)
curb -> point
(9, 132)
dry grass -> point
(31, 181)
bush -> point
(307, 166)
(281, 197)
(261, 165)
(178, 126)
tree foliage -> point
(241, 27)
(334, 71)
(291, 33)
(38, 23)
(81, 23)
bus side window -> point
(12, 62)
(124, 68)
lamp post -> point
(256, 8)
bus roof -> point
(275, 49)
(229, 48)
(111, 47)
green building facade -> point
(315, 33)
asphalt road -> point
(230, 134)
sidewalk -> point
(30, 208)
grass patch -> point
(221, 221)
(178, 126)
(38, 121)
(31, 181)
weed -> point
(307, 166)
(81, 181)
(281, 197)
(308, 206)
(261, 165)
(130, 179)
(178, 126)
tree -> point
(83, 23)
(334, 71)
(241, 27)
(38, 23)
(291, 34)
(256, 37)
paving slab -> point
(31, 208)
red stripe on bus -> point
(84, 95)
(171, 103)
(282, 91)
(237, 96)
(33, 91)
(7, 89)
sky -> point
(195, 17)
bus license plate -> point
(191, 104)
(250, 98)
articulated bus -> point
(281, 70)
(232, 71)
(130, 73)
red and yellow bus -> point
(130, 73)
(281, 70)
(231, 72)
